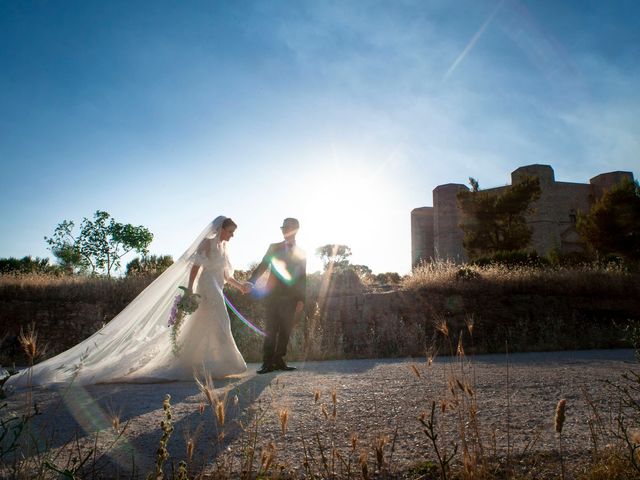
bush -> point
(26, 265)
(512, 259)
(466, 273)
(572, 259)
(387, 278)
(152, 265)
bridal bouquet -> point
(183, 304)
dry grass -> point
(473, 454)
(537, 296)
(579, 280)
(323, 334)
(607, 279)
(611, 464)
(77, 287)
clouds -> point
(608, 135)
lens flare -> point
(91, 417)
(242, 318)
(279, 268)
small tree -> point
(334, 256)
(613, 224)
(149, 265)
(496, 222)
(363, 271)
(100, 244)
(388, 278)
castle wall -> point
(554, 214)
(553, 218)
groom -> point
(285, 294)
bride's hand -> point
(246, 287)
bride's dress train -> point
(136, 347)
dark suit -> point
(286, 287)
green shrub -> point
(152, 265)
(572, 259)
(26, 265)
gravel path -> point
(376, 400)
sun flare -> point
(346, 207)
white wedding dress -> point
(135, 346)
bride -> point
(136, 345)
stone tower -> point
(603, 182)
(447, 243)
(421, 235)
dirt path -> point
(375, 399)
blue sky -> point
(345, 114)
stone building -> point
(436, 232)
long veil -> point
(134, 340)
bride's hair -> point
(229, 223)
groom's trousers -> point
(280, 318)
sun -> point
(344, 206)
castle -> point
(436, 232)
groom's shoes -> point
(278, 366)
(284, 367)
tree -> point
(334, 256)
(100, 244)
(388, 278)
(363, 271)
(27, 265)
(612, 226)
(149, 265)
(496, 222)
